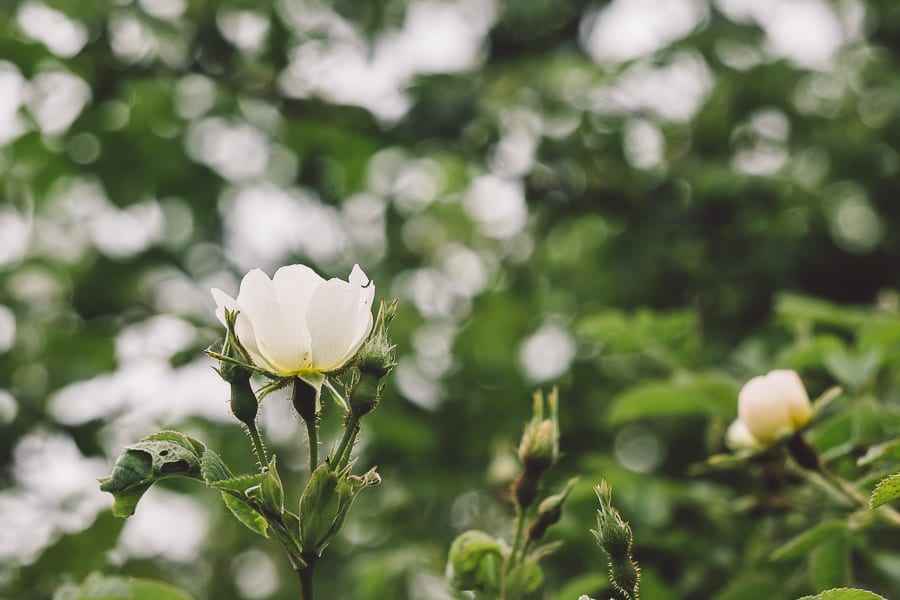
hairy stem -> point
(351, 430)
(258, 448)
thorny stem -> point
(351, 429)
(258, 446)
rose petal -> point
(223, 301)
(339, 318)
(738, 437)
(793, 393)
(259, 300)
(242, 326)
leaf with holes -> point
(161, 455)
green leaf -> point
(809, 539)
(700, 395)
(178, 438)
(829, 564)
(169, 454)
(146, 589)
(844, 594)
(100, 587)
(887, 489)
(161, 455)
(95, 587)
(826, 399)
(793, 309)
(212, 468)
(853, 370)
(78, 553)
(169, 458)
(244, 511)
(239, 484)
(724, 462)
(751, 586)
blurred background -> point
(644, 202)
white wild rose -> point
(297, 324)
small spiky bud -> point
(378, 355)
(615, 538)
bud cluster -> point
(482, 563)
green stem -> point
(517, 539)
(305, 401)
(306, 581)
(258, 447)
(351, 430)
(313, 435)
(511, 561)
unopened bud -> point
(539, 447)
(475, 562)
(615, 538)
(378, 355)
(612, 533)
(365, 392)
(244, 404)
(549, 511)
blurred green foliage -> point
(695, 214)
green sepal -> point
(272, 490)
